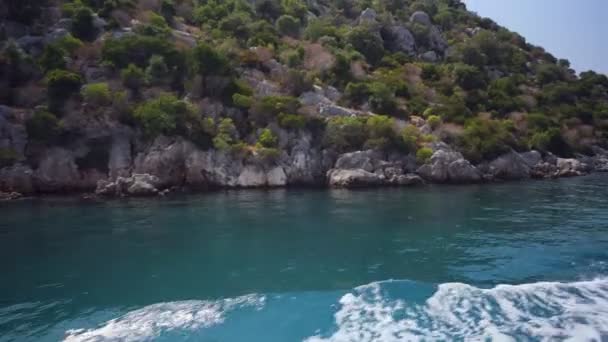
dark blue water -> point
(519, 261)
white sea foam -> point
(149, 322)
(544, 311)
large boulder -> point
(135, 185)
(401, 39)
(365, 160)
(571, 168)
(420, 17)
(447, 166)
(509, 166)
(436, 40)
(353, 178)
(368, 16)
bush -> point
(368, 42)
(156, 26)
(52, 57)
(469, 77)
(423, 155)
(97, 94)
(345, 133)
(157, 70)
(288, 25)
(484, 139)
(133, 77)
(61, 85)
(165, 115)
(318, 28)
(267, 108)
(242, 101)
(382, 98)
(409, 138)
(138, 49)
(434, 121)
(82, 24)
(207, 61)
(381, 132)
(267, 139)
(292, 121)
(357, 92)
(43, 126)
(68, 43)
(226, 136)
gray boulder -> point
(368, 16)
(436, 40)
(353, 178)
(449, 167)
(365, 160)
(531, 158)
(401, 39)
(33, 45)
(420, 17)
(510, 166)
(571, 168)
(165, 159)
(429, 56)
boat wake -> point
(543, 311)
(150, 322)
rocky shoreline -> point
(174, 164)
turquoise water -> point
(519, 261)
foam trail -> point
(544, 311)
(151, 321)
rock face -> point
(17, 178)
(369, 168)
(353, 178)
(510, 166)
(12, 136)
(401, 39)
(136, 185)
(449, 166)
(420, 17)
(368, 16)
(571, 168)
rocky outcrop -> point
(369, 168)
(58, 172)
(449, 167)
(368, 16)
(401, 39)
(510, 166)
(570, 168)
(138, 185)
(420, 17)
(165, 159)
(12, 135)
(17, 178)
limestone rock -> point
(353, 178)
(368, 16)
(401, 39)
(420, 17)
(570, 168)
(510, 166)
(17, 178)
(449, 166)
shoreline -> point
(177, 192)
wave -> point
(543, 311)
(150, 322)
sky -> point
(576, 30)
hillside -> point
(139, 96)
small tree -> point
(157, 70)
(133, 77)
(82, 24)
(52, 57)
(61, 85)
(288, 25)
(97, 94)
(367, 41)
(267, 139)
(43, 126)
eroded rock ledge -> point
(172, 163)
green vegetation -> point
(248, 63)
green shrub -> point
(292, 121)
(423, 155)
(43, 126)
(318, 28)
(156, 26)
(52, 57)
(133, 77)
(434, 121)
(368, 42)
(380, 130)
(61, 85)
(242, 101)
(226, 136)
(409, 138)
(267, 108)
(82, 24)
(97, 94)
(469, 77)
(484, 139)
(267, 139)
(207, 61)
(382, 98)
(288, 25)
(68, 43)
(157, 70)
(165, 115)
(138, 49)
(357, 92)
(345, 133)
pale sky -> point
(574, 30)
